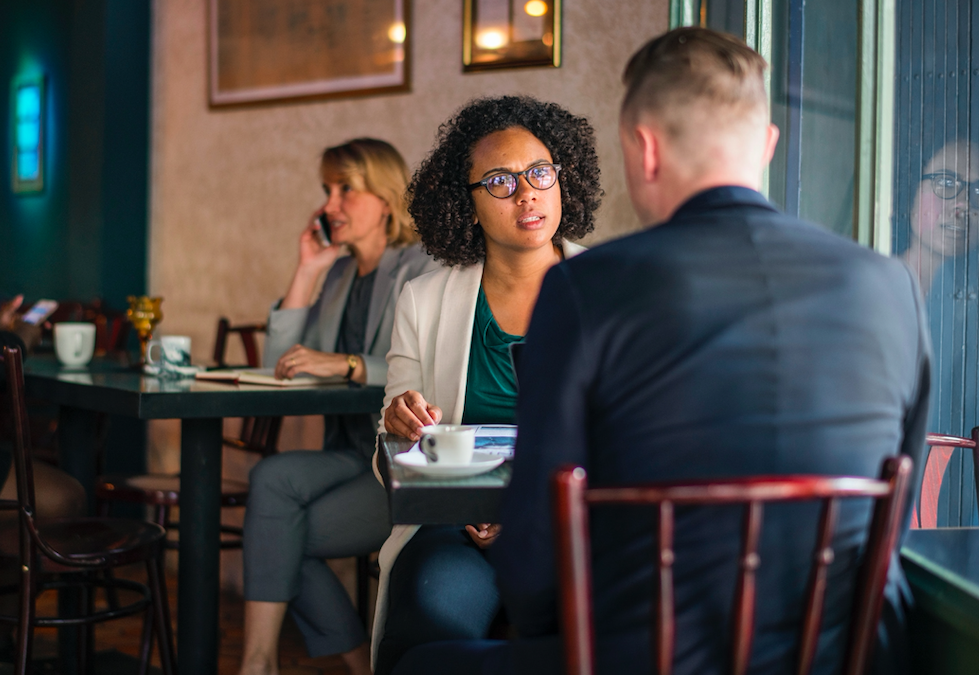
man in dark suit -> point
(727, 339)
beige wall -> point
(232, 188)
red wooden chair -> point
(572, 499)
(75, 554)
(940, 449)
(111, 328)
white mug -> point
(448, 443)
(74, 343)
(172, 352)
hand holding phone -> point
(41, 310)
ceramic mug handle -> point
(149, 352)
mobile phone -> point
(324, 229)
(40, 311)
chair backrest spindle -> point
(745, 596)
(663, 607)
(823, 557)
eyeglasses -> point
(949, 186)
(502, 185)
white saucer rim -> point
(481, 466)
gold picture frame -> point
(510, 34)
(268, 50)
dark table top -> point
(423, 500)
(108, 386)
(942, 566)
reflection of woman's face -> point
(527, 219)
(948, 227)
(354, 215)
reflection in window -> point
(936, 214)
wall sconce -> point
(28, 104)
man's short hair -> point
(690, 67)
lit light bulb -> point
(491, 39)
(397, 33)
(535, 8)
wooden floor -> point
(123, 636)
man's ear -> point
(649, 148)
(771, 140)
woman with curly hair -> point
(509, 182)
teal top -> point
(491, 388)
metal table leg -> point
(200, 520)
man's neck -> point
(683, 190)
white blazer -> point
(430, 342)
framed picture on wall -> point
(266, 50)
(510, 34)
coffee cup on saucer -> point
(448, 443)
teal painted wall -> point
(85, 235)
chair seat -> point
(116, 541)
(161, 489)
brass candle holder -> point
(144, 314)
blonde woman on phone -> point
(306, 506)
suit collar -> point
(721, 197)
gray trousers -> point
(304, 506)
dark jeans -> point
(441, 588)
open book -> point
(266, 376)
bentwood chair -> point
(74, 555)
(573, 499)
(940, 450)
(162, 491)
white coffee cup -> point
(168, 354)
(74, 343)
(448, 443)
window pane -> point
(936, 213)
(813, 103)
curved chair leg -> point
(25, 631)
(146, 641)
(164, 629)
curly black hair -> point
(439, 198)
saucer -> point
(416, 462)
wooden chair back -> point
(940, 450)
(15, 428)
(573, 498)
(258, 434)
(111, 328)
(246, 332)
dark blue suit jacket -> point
(731, 340)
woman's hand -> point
(312, 253)
(314, 258)
(484, 534)
(301, 359)
(408, 413)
